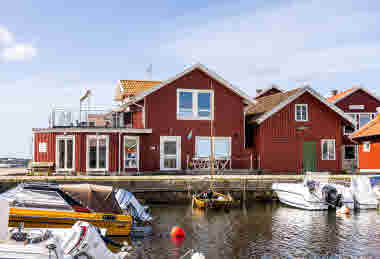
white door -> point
(170, 153)
(65, 153)
(131, 152)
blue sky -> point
(50, 51)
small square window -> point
(349, 153)
(301, 112)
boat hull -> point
(116, 225)
(298, 196)
(213, 203)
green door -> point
(309, 155)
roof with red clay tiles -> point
(134, 87)
(372, 128)
(333, 98)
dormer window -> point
(301, 112)
(194, 104)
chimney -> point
(259, 91)
(334, 92)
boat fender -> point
(177, 232)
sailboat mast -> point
(212, 141)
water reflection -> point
(261, 229)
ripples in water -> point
(264, 229)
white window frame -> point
(367, 146)
(137, 138)
(97, 137)
(355, 152)
(307, 112)
(177, 139)
(195, 115)
(58, 138)
(328, 155)
(198, 138)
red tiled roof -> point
(134, 87)
(333, 98)
(372, 128)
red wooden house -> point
(360, 104)
(368, 138)
(158, 126)
(295, 131)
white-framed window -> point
(65, 150)
(364, 118)
(350, 152)
(195, 104)
(301, 112)
(222, 146)
(328, 149)
(97, 152)
(367, 147)
(131, 152)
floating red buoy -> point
(177, 232)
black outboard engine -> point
(331, 196)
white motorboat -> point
(310, 195)
(364, 195)
(83, 240)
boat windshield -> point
(29, 198)
(95, 197)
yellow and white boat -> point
(60, 206)
(212, 199)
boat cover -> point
(95, 197)
(128, 201)
(362, 189)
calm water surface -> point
(263, 229)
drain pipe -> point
(119, 151)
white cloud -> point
(6, 37)
(309, 41)
(10, 50)
(19, 52)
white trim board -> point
(354, 91)
(370, 170)
(95, 130)
(303, 90)
(204, 69)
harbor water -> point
(261, 230)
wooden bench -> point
(40, 168)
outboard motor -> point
(330, 195)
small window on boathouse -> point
(301, 112)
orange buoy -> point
(177, 232)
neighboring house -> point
(159, 126)
(295, 131)
(360, 104)
(273, 89)
(368, 138)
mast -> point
(212, 143)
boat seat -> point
(38, 168)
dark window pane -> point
(204, 103)
(349, 152)
(92, 153)
(348, 129)
(61, 153)
(102, 153)
(69, 154)
(186, 100)
(170, 163)
(170, 148)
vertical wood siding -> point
(279, 143)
